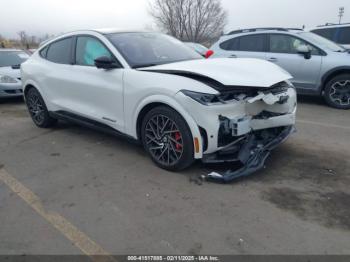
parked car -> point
(10, 74)
(151, 88)
(318, 65)
(200, 49)
(339, 33)
(31, 51)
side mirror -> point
(105, 62)
(304, 50)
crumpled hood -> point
(230, 71)
(9, 71)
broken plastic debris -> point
(215, 175)
(269, 99)
(252, 155)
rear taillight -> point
(209, 53)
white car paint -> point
(232, 72)
(116, 97)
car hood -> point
(228, 71)
(9, 71)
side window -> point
(343, 35)
(230, 45)
(43, 52)
(252, 43)
(286, 44)
(328, 33)
(60, 52)
(88, 49)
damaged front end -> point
(246, 140)
(250, 151)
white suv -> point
(339, 33)
(318, 65)
(152, 88)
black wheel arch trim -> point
(333, 72)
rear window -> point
(230, 45)
(60, 51)
(12, 58)
(249, 43)
(252, 43)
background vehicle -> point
(152, 88)
(10, 74)
(339, 33)
(318, 65)
(200, 49)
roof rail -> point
(262, 29)
(332, 24)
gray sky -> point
(55, 16)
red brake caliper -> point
(178, 138)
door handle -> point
(232, 56)
(272, 59)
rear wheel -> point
(337, 92)
(167, 139)
(38, 110)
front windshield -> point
(12, 58)
(322, 42)
(148, 49)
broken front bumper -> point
(250, 152)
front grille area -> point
(279, 88)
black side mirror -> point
(305, 50)
(105, 62)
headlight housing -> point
(210, 99)
(237, 94)
(7, 79)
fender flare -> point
(171, 102)
(328, 74)
(33, 84)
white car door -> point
(75, 85)
(96, 93)
(283, 52)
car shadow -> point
(11, 100)
(312, 100)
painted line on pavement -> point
(78, 238)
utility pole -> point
(341, 13)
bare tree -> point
(23, 38)
(199, 21)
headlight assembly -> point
(204, 99)
(7, 79)
(209, 99)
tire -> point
(169, 142)
(337, 92)
(38, 110)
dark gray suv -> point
(318, 65)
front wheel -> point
(167, 138)
(337, 92)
